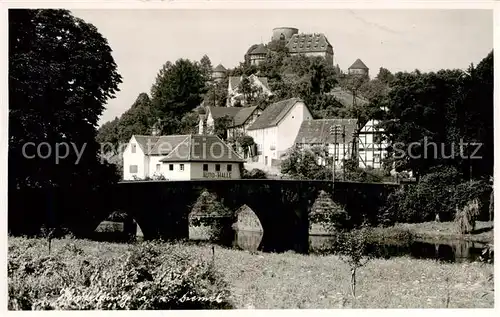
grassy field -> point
(247, 279)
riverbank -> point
(289, 280)
(438, 231)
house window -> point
(170, 167)
(217, 167)
(134, 148)
(133, 169)
(158, 167)
(229, 167)
(181, 167)
(376, 158)
(205, 167)
(265, 160)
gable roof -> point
(202, 148)
(358, 64)
(318, 131)
(219, 112)
(274, 113)
(303, 43)
(146, 142)
(236, 80)
(241, 117)
(219, 68)
(166, 143)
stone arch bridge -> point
(161, 208)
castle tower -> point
(287, 32)
(358, 68)
(218, 73)
(258, 55)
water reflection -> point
(449, 251)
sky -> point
(399, 40)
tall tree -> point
(249, 90)
(206, 68)
(385, 76)
(139, 119)
(178, 89)
(478, 117)
(61, 73)
(108, 133)
(216, 95)
(448, 108)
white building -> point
(372, 150)
(276, 128)
(320, 133)
(233, 93)
(180, 157)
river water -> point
(448, 251)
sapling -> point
(352, 247)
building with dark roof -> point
(219, 72)
(276, 128)
(320, 132)
(180, 157)
(311, 45)
(358, 68)
(257, 55)
(240, 119)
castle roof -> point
(251, 48)
(274, 113)
(358, 64)
(219, 68)
(303, 43)
(318, 131)
(260, 49)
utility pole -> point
(334, 130)
(343, 154)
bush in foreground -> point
(146, 276)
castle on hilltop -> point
(315, 44)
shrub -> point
(466, 217)
(254, 174)
(148, 276)
(438, 195)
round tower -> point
(219, 72)
(288, 32)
